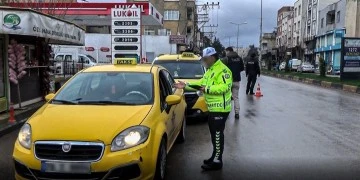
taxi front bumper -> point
(133, 163)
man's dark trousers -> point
(251, 84)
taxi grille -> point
(191, 100)
(78, 152)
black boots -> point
(212, 166)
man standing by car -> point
(236, 65)
(216, 86)
(252, 70)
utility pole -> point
(238, 34)
(203, 18)
(261, 28)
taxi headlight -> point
(130, 137)
(199, 93)
(24, 136)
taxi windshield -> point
(183, 69)
(107, 88)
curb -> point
(325, 84)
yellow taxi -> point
(107, 122)
(187, 67)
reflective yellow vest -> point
(218, 82)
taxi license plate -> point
(66, 167)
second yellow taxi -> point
(107, 122)
(187, 67)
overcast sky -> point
(245, 10)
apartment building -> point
(284, 30)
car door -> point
(178, 109)
(167, 111)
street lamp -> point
(238, 31)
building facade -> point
(179, 20)
(330, 31)
(311, 15)
(284, 31)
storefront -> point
(328, 46)
(25, 68)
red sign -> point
(104, 49)
(89, 49)
(125, 13)
(82, 8)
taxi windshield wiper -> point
(63, 101)
(105, 103)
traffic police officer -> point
(216, 86)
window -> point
(109, 87)
(299, 13)
(189, 13)
(183, 69)
(189, 30)
(149, 32)
(171, 15)
(338, 17)
(59, 58)
(295, 12)
(68, 58)
(330, 17)
(170, 80)
(165, 89)
(322, 22)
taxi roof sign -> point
(187, 54)
(125, 61)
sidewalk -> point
(313, 81)
(20, 115)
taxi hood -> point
(84, 122)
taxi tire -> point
(161, 161)
(182, 135)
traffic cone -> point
(258, 91)
(12, 114)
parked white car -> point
(64, 62)
(294, 64)
(282, 66)
(306, 67)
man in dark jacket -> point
(252, 70)
(236, 65)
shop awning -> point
(96, 14)
(28, 22)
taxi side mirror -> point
(49, 97)
(173, 99)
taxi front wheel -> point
(161, 162)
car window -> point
(170, 80)
(163, 91)
(59, 57)
(68, 58)
(116, 87)
(183, 69)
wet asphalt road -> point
(295, 131)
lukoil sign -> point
(125, 13)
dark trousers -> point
(251, 83)
(217, 126)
